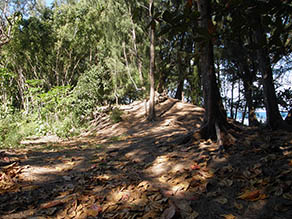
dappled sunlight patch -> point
(41, 140)
(39, 173)
(177, 167)
(35, 173)
(136, 155)
(159, 166)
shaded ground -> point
(138, 169)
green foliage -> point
(116, 115)
(8, 92)
(51, 113)
(54, 102)
(9, 131)
(93, 88)
(68, 60)
(63, 62)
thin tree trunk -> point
(243, 114)
(21, 87)
(116, 87)
(238, 101)
(128, 68)
(248, 78)
(274, 118)
(247, 84)
(231, 101)
(215, 121)
(151, 107)
(136, 51)
(288, 119)
(179, 90)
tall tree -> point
(274, 118)
(151, 106)
(215, 119)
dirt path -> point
(138, 169)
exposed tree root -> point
(224, 134)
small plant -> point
(116, 115)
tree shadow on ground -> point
(153, 171)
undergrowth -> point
(116, 115)
(57, 112)
(18, 126)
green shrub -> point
(9, 129)
(116, 115)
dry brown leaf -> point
(150, 215)
(169, 212)
(228, 216)
(51, 204)
(29, 187)
(252, 195)
(226, 182)
(238, 205)
(287, 196)
(10, 166)
(94, 210)
(221, 200)
(71, 163)
(6, 159)
(60, 168)
(195, 166)
(193, 215)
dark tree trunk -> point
(215, 121)
(248, 78)
(274, 118)
(238, 101)
(179, 90)
(288, 119)
(151, 105)
(231, 101)
(243, 113)
(161, 82)
(247, 84)
(180, 86)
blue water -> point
(261, 116)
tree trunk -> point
(161, 81)
(127, 66)
(180, 86)
(288, 119)
(21, 87)
(248, 78)
(247, 84)
(215, 122)
(274, 118)
(136, 50)
(232, 100)
(151, 106)
(243, 114)
(238, 101)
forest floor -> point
(141, 169)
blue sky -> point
(48, 2)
